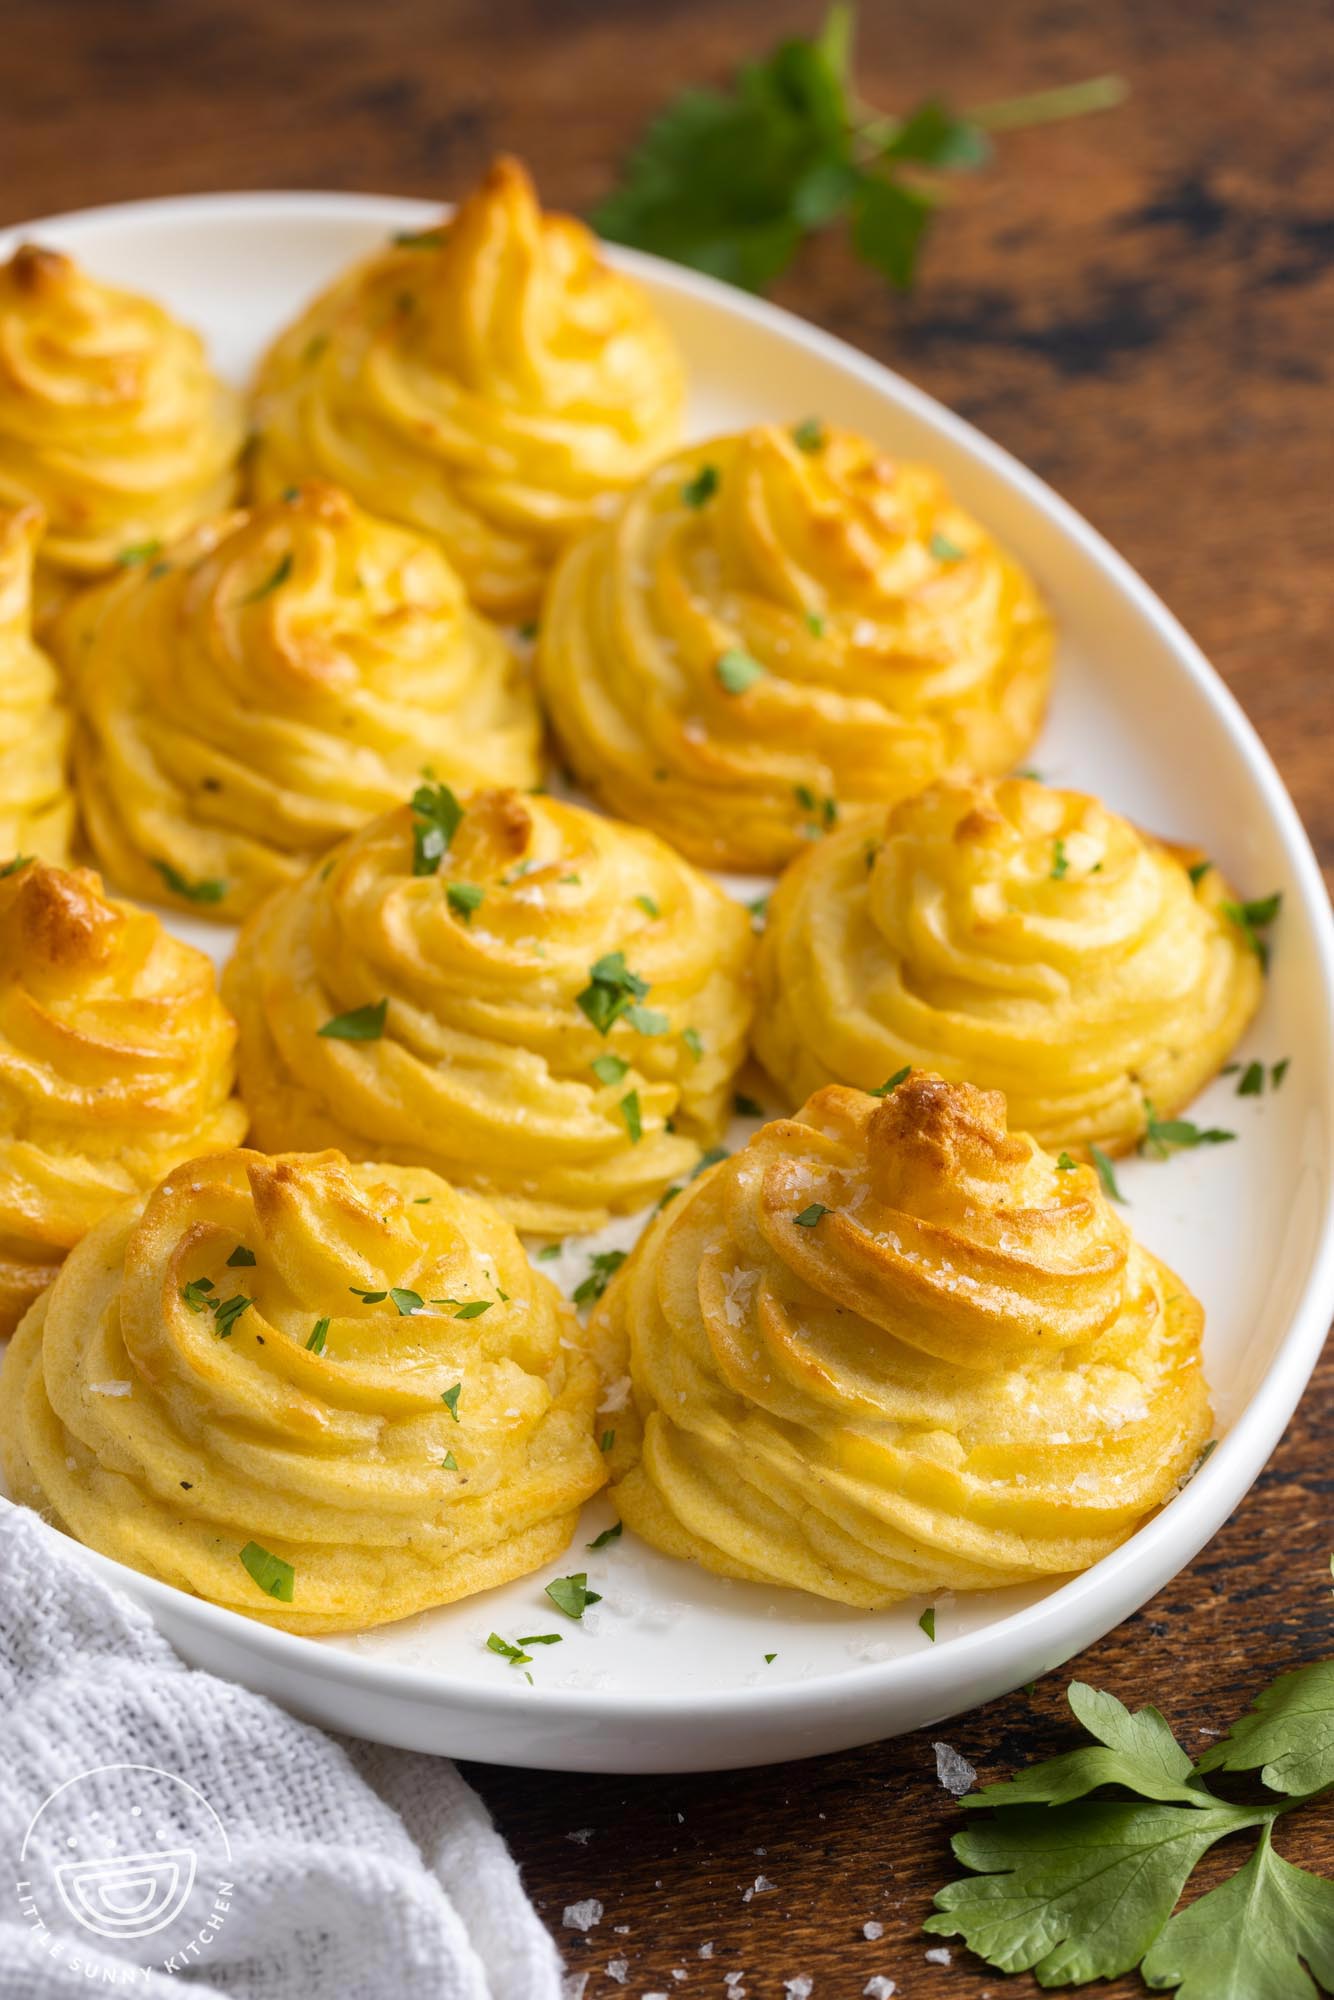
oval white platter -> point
(669, 1672)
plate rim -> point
(1164, 1545)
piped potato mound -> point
(529, 998)
(323, 1395)
(777, 627)
(893, 1348)
(1015, 936)
(36, 805)
(489, 382)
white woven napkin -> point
(354, 1872)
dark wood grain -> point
(1142, 307)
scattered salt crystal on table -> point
(618, 1969)
(872, 1930)
(582, 1916)
(706, 1951)
(955, 1773)
(679, 1972)
(799, 1988)
(879, 1988)
(762, 1886)
(574, 1986)
(938, 1955)
(581, 1835)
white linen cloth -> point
(359, 1873)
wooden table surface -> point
(1141, 306)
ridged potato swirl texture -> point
(891, 1348)
(1015, 936)
(484, 1065)
(285, 1357)
(277, 678)
(36, 805)
(116, 1060)
(489, 382)
(111, 419)
(777, 626)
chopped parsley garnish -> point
(226, 1312)
(138, 552)
(449, 1463)
(1252, 918)
(514, 1654)
(463, 898)
(810, 1216)
(450, 1399)
(436, 814)
(549, 1251)
(1064, 1164)
(196, 1294)
(407, 1302)
(210, 890)
(270, 583)
(1278, 1072)
(12, 867)
(892, 1082)
(1106, 1174)
(759, 910)
(815, 624)
(474, 1308)
(602, 1266)
(318, 1333)
(630, 1112)
(693, 1041)
(609, 1068)
(927, 1623)
(606, 1441)
(808, 435)
(1252, 1080)
(746, 1107)
(612, 991)
(697, 491)
(367, 1298)
(769, 1659)
(420, 239)
(1059, 861)
(737, 671)
(648, 906)
(362, 1024)
(1198, 870)
(241, 1255)
(275, 1577)
(612, 1534)
(543, 1639)
(571, 1594)
(1169, 1135)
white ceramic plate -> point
(669, 1672)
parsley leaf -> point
(463, 898)
(273, 582)
(737, 671)
(612, 991)
(1060, 861)
(1289, 1731)
(514, 1654)
(609, 1068)
(602, 1266)
(315, 1345)
(927, 1623)
(944, 550)
(406, 1301)
(362, 1024)
(211, 890)
(241, 1255)
(809, 435)
(611, 1534)
(436, 814)
(1249, 1936)
(732, 181)
(1163, 1136)
(274, 1576)
(892, 1083)
(571, 1594)
(450, 1399)
(810, 1216)
(1064, 1164)
(697, 491)
(1106, 1174)
(1253, 918)
(630, 1112)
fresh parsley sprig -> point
(1075, 1887)
(733, 181)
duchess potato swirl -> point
(36, 807)
(488, 382)
(320, 1394)
(110, 417)
(563, 1004)
(1021, 937)
(892, 1348)
(116, 1060)
(777, 626)
(277, 678)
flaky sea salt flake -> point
(582, 1916)
(955, 1773)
